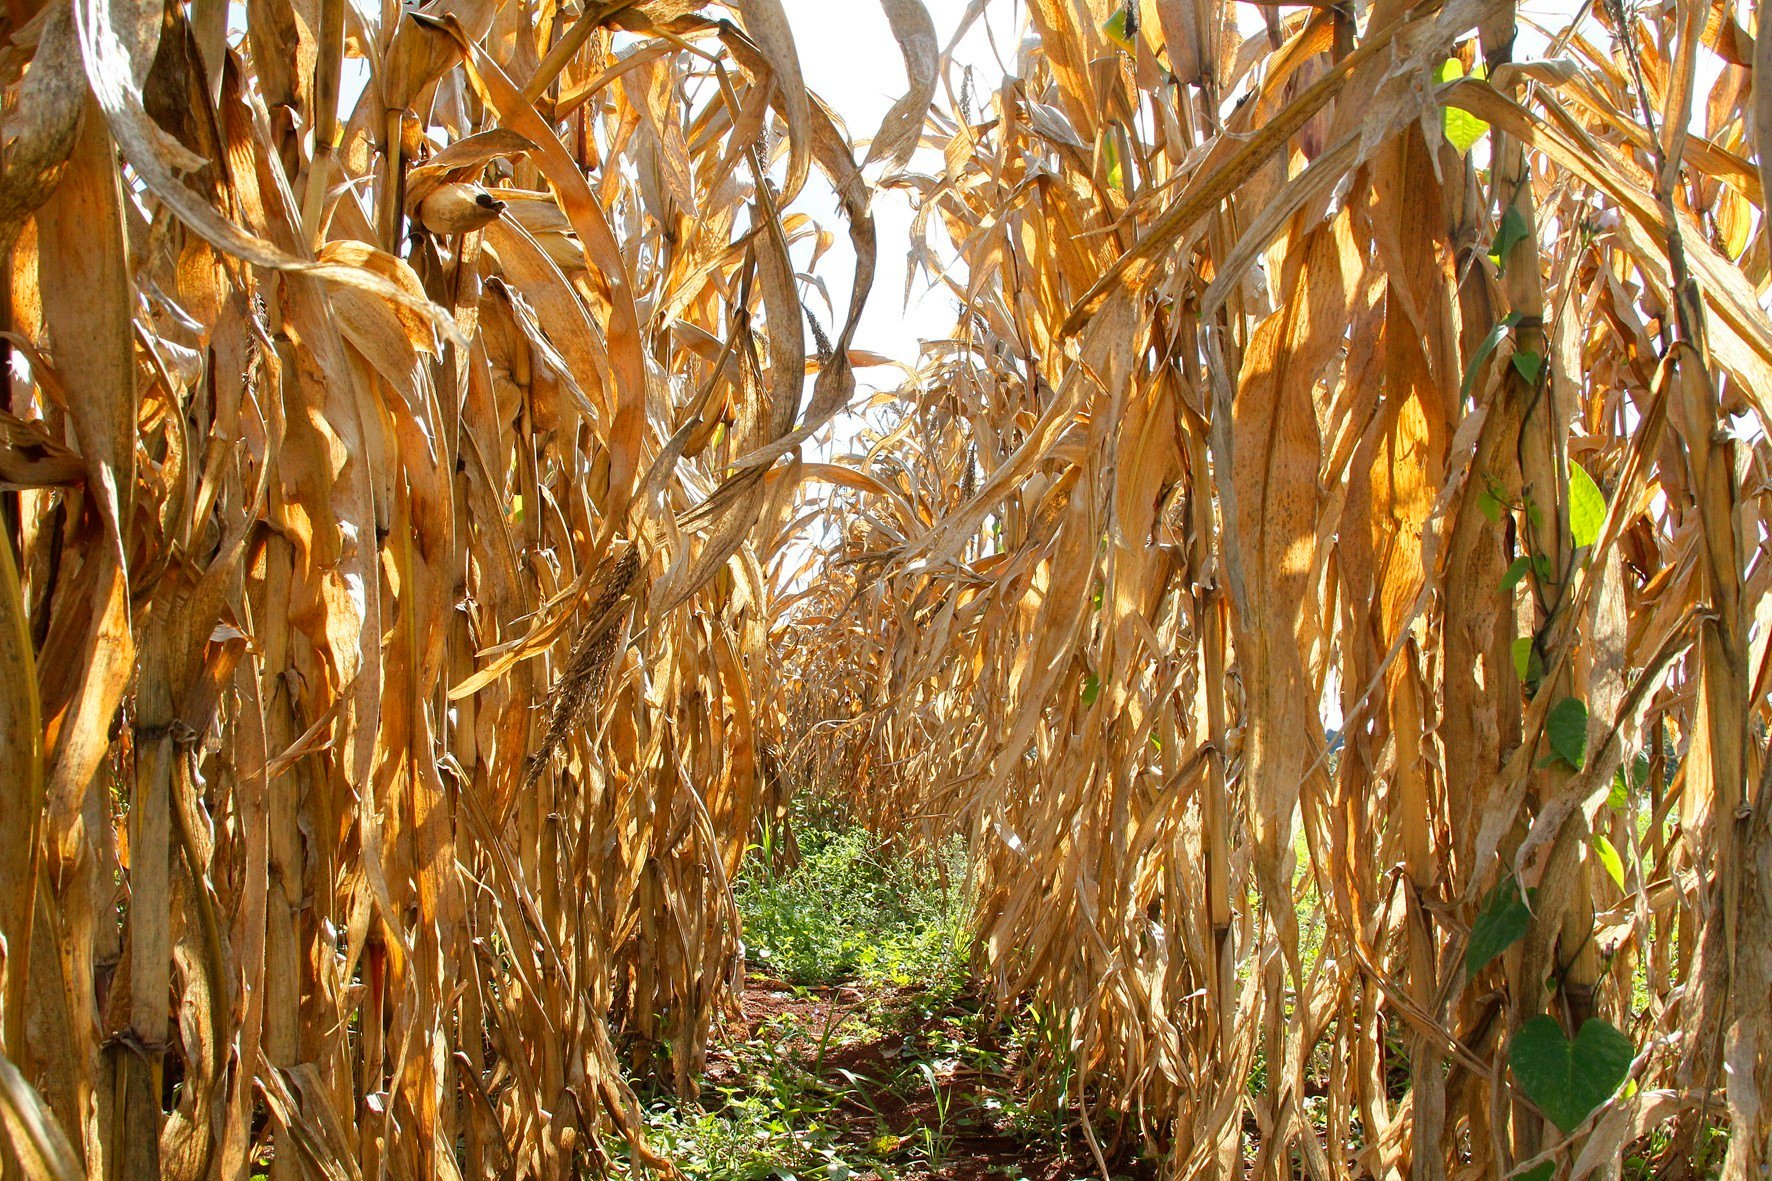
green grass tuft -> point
(852, 911)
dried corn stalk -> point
(382, 635)
(1334, 523)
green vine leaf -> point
(1528, 365)
(1500, 924)
(1587, 506)
(1566, 728)
(1485, 347)
(1528, 664)
(1489, 505)
(1508, 235)
(1609, 859)
(1463, 130)
(1569, 1080)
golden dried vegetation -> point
(384, 636)
(1324, 576)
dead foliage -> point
(1325, 576)
(383, 623)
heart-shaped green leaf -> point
(1489, 505)
(1462, 128)
(1501, 923)
(1568, 1080)
(1587, 506)
(1566, 728)
(1528, 365)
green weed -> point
(847, 912)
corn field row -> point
(1324, 576)
(1418, 388)
(385, 628)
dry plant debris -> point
(1323, 578)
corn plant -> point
(1324, 574)
(401, 403)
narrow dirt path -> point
(901, 1085)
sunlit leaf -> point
(1587, 507)
(1528, 664)
(1609, 859)
(1463, 130)
(1119, 28)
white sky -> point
(850, 60)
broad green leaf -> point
(1484, 348)
(1489, 505)
(1500, 924)
(1528, 664)
(1566, 728)
(1609, 858)
(1568, 1080)
(1463, 130)
(1508, 235)
(1538, 1172)
(1516, 570)
(1587, 506)
(1091, 689)
(1528, 365)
